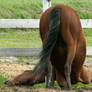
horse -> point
(64, 43)
(64, 46)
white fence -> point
(33, 23)
(28, 51)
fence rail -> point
(30, 23)
(33, 23)
(28, 51)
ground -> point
(13, 69)
(29, 89)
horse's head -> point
(25, 78)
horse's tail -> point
(50, 42)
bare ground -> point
(7, 68)
(29, 89)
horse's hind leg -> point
(50, 76)
(71, 50)
(70, 56)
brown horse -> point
(64, 43)
(64, 46)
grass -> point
(2, 79)
(78, 85)
(83, 7)
(33, 8)
(81, 85)
(20, 9)
(29, 38)
(88, 35)
(42, 85)
(19, 38)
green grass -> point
(83, 7)
(81, 85)
(2, 79)
(20, 8)
(19, 38)
(78, 85)
(29, 38)
(88, 35)
(42, 85)
(33, 8)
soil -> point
(29, 89)
(7, 68)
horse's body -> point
(64, 43)
(69, 51)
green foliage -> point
(19, 38)
(83, 7)
(81, 85)
(88, 34)
(2, 79)
(33, 8)
(20, 8)
(42, 85)
(78, 85)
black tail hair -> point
(52, 37)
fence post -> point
(46, 4)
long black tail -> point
(53, 34)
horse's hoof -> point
(8, 82)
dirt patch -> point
(13, 69)
(16, 69)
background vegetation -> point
(33, 8)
